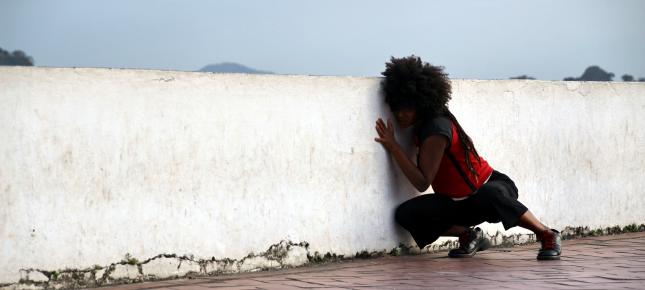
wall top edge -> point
(169, 72)
(13, 69)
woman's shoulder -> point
(434, 121)
(433, 125)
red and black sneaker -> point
(470, 242)
(551, 245)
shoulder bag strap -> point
(460, 170)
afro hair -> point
(409, 82)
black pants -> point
(428, 216)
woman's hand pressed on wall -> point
(430, 155)
(386, 134)
(386, 138)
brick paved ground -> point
(609, 262)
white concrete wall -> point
(97, 163)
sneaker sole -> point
(548, 258)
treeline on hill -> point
(17, 57)
(592, 73)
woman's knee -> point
(492, 191)
(427, 207)
(403, 214)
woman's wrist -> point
(394, 147)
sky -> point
(472, 39)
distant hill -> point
(593, 73)
(522, 77)
(231, 67)
(17, 57)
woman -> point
(468, 191)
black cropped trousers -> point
(428, 216)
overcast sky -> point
(493, 39)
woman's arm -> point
(430, 155)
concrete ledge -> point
(195, 172)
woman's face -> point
(406, 117)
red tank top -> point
(449, 181)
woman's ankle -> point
(546, 233)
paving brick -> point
(607, 262)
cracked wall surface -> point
(99, 163)
(284, 254)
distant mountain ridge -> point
(231, 67)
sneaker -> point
(551, 245)
(470, 242)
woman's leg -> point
(497, 201)
(530, 222)
(502, 191)
(429, 216)
(426, 217)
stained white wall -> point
(96, 163)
